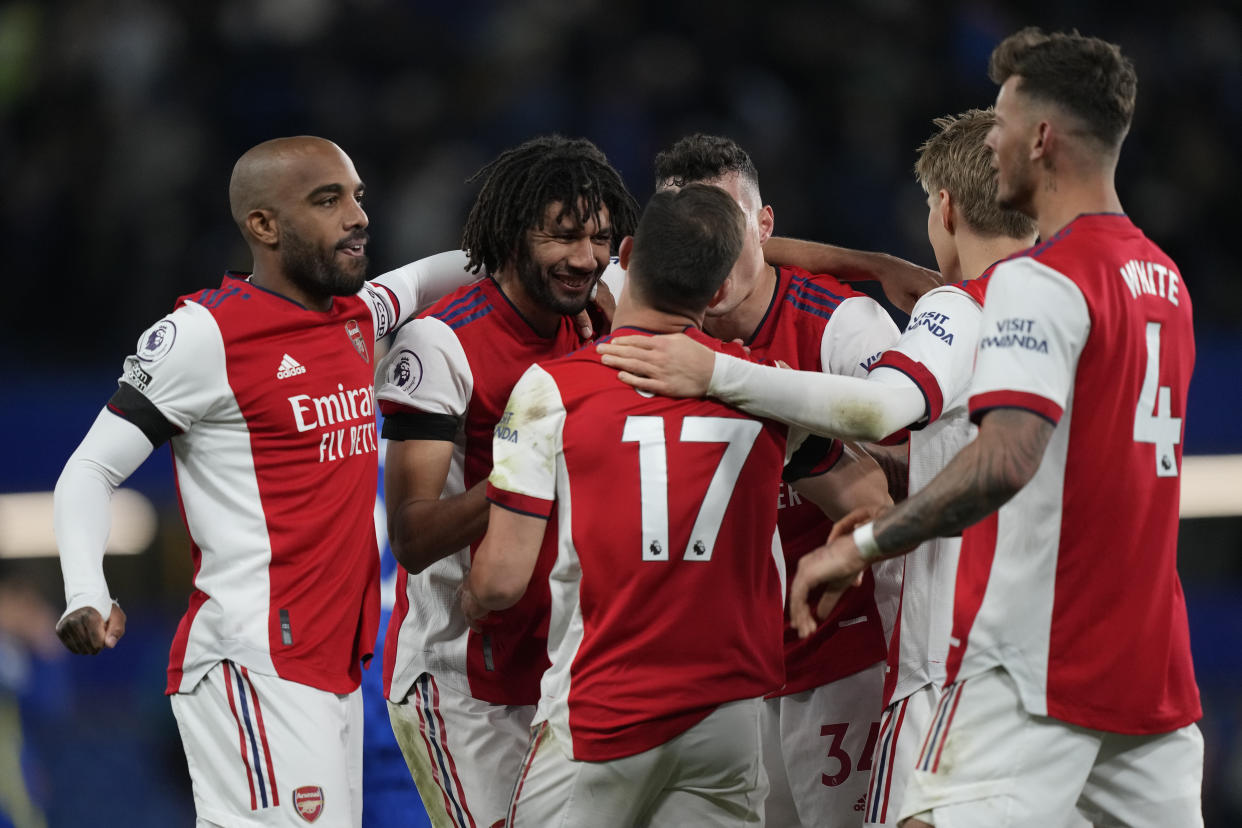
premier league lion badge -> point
(355, 336)
(308, 802)
(406, 371)
(157, 341)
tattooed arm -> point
(975, 483)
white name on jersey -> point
(1150, 278)
(356, 405)
(341, 407)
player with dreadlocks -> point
(548, 217)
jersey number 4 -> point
(738, 435)
(1153, 420)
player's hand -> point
(477, 616)
(673, 365)
(856, 518)
(904, 282)
(85, 633)
(836, 567)
(601, 310)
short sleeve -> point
(937, 349)
(858, 332)
(426, 371)
(177, 371)
(398, 294)
(526, 444)
(1034, 327)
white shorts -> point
(464, 754)
(985, 761)
(264, 751)
(817, 749)
(709, 775)
(901, 735)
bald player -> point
(263, 388)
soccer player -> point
(544, 225)
(819, 727)
(1071, 682)
(667, 585)
(263, 387)
(922, 382)
(969, 233)
(816, 323)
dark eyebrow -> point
(334, 189)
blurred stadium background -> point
(120, 122)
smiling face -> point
(563, 258)
(322, 241)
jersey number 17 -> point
(739, 437)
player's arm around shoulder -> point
(903, 282)
(522, 489)
(673, 365)
(418, 285)
(424, 392)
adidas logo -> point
(289, 367)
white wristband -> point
(864, 539)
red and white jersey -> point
(1072, 585)
(270, 409)
(448, 376)
(937, 353)
(668, 582)
(816, 323)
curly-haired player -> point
(544, 225)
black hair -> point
(1087, 76)
(702, 157)
(686, 243)
(521, 182)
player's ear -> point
(1042, 140)
(721, 292)
(767, 223)
(624, 251)
(261, 224)
(946, 211)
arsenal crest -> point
(308, 801)
(355, 336)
